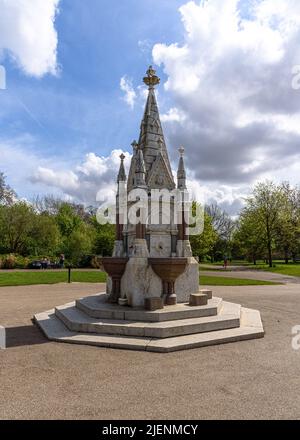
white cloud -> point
(129, 92)
(28, 35)
(173, 115)
(92, 181)
(64, 180)
(231, 79)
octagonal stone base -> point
(92, 321)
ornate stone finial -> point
(181, 174)
(151, 79)
(122, 174)
(135, 146)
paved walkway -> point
(44, 380)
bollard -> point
(69, 274)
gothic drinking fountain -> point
(152, 300)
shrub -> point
(9, 262)
(96, 262)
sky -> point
(74, 97)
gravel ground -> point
(44, 380)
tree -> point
(16, 226)
(224, 227)
(45, 236)
(248, 237)
(203, 244)
(221, 221)
(47, 204)
(105, 236)
(67, 220)
(78, 244)
(7, 194)
(288, 229)
(77, 232)
(264, 209)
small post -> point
(69, 274)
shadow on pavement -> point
(26, 335)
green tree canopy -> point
(16, 227)
(265, 209)
(7, 194)
(202, 244)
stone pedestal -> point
(140, 282)
(188, 282)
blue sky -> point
(82, 108)
(225, 93)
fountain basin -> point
(115, 268)
(168, 269)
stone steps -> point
(251, 328)
(78, 321)
(96, 307)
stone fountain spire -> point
(183, 244)
(121, 193)
(152, 142)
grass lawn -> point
(284, 269)
(44, 277)
(30, 278)
(292, 269)
(219, 281)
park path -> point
(256, 379)
(251, 274)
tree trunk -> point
(269, 241)
(270, 254)
(286, 256)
